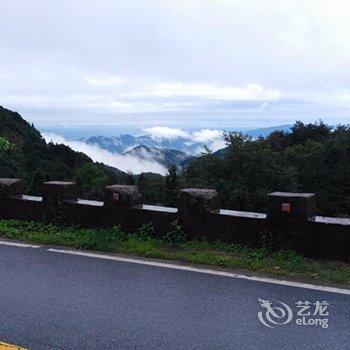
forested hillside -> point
(309, 158)
(26, 155)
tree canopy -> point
(311, 158)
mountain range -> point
(187, 144)
(124, 143)
(167, 151)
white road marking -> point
(206, 271)
(15, 244)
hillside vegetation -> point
(310, 158)
(25, 154)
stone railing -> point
(290, 222)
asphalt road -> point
(50, 300)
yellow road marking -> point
(5, 346)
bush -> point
(145, 231)
(176, 235)
(4, 145)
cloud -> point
(199, 63)
(250, 92)
(104, 80)
(217, 144)
(213, 139)
(210, 138)
(206, 135)
(164, 132)
(122, 162)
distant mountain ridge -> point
(125, 142)
(179, 151)
(264, 132)
(166, 157)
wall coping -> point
(88, 202)
(24, 197)
(291, 194)
(241, 214)
(157, 208)
(60, 183)
(330, 220)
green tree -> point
(172, 184)
(130, 178)
(151, 186)
(91, 180)
(4, 145)
(37, 182)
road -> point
(51, 300)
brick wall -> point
(290, 221)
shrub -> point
(176, 234)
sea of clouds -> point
(130, 163)
(125, 163)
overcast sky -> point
(188, 64)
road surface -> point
(54, 300)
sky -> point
(189, 64)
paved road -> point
(50, 300)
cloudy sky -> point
(177, 63)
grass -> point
(174, 247)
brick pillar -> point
(287, 216)
(195, 206)
(8, 188)
(55, 192)
(118, 206)
(117, 196)
(285, 207)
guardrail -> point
(290, 222)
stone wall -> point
(290, 221)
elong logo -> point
(274, 315)
(279, 313)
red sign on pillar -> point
(286, 208)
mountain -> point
(166, 157)
(264, 132)
(123, 143)
(188, 144)
(179, 151)
(25, 154)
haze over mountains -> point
(156, 149)
(186, 143)
(164, 138)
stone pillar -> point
(287, 207)
(195, 206)
(8, 188)
(55, 192)
(287, 218)
(121, 196)
(118, 206)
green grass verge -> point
(173, 247)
